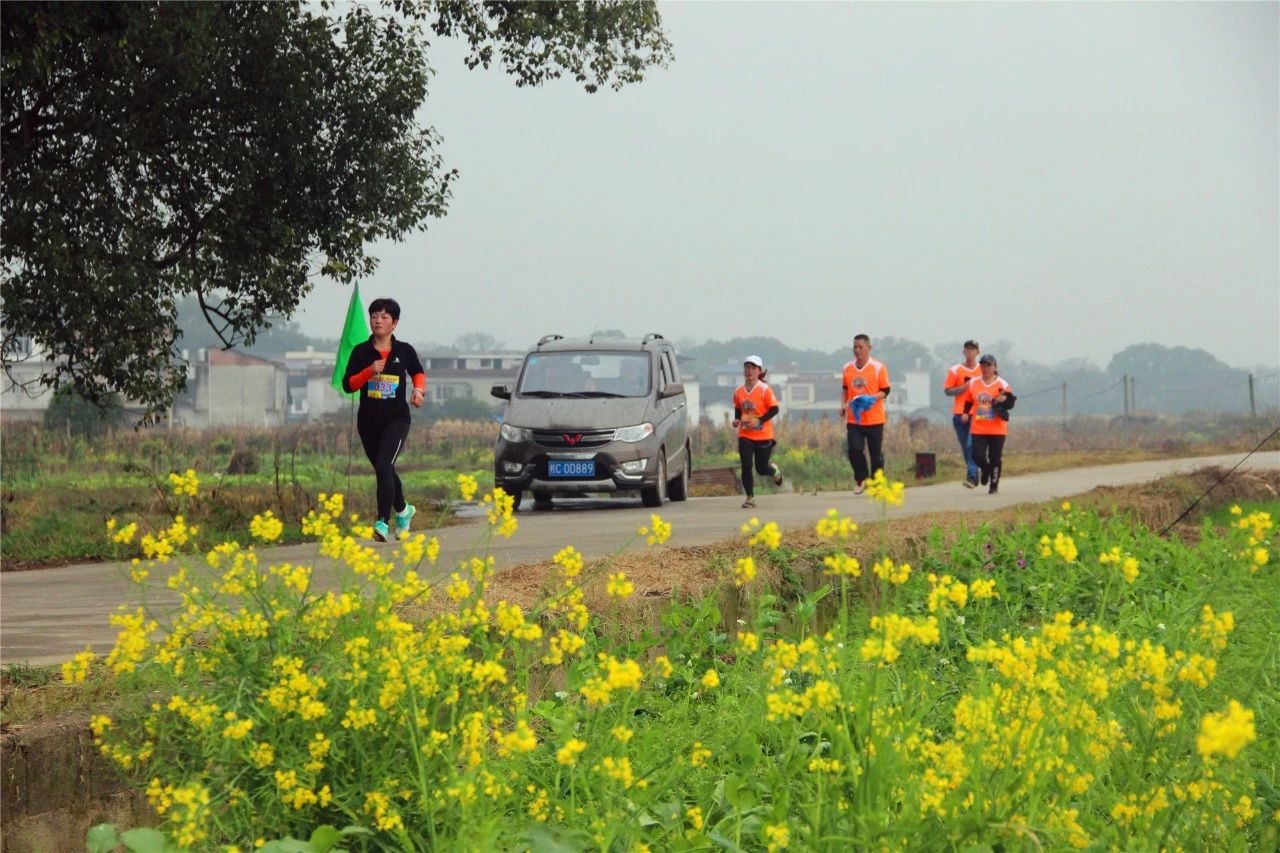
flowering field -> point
(1077, 683)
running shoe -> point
(970, 482)
(402, 520)
(749, 503)
(777, 474)
(381, 532)
(986, 478)
(859, 488)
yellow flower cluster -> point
(892, 630)
(500, 509)
(894, 574)
(744, 571)
(266, 527)
(946, 591)
(568, 754)
(833, 525)
(467, 486)
(1061, 544)
(1128, 563)
(657, 532)
(570, 561)
(186, 483)
(76, 670)
(768, 536)
(125, 534)
(1226, 732)
(885, 492)
(619, 586)
(1214, 628)
(842, 565)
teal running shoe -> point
(402, 520)
(381, 532)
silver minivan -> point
(595, 415)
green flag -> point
(354, 331)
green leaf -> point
(324, 838)
(543, 839)
(146, 840)
(102, 838)
(286, 845)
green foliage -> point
(104, 838)
(70, 412)
(156, 151)
(460, 409)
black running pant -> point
(749, 449)
(988, 452)
(872, 439)
(382, 444)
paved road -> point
(48, 615)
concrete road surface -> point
(48, 615)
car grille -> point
(573, 439)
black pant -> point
(873, 438)
(760, 451)
(988, 452)
(382, 444)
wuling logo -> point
(572, 439)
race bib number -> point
(383, 386)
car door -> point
(677, 412)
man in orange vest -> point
(866, 385)
(958, 378)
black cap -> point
(971, 345)
(987, 359)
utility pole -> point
(1253, 405)
(1064, 403)
(1124, 389)
(1133, 396)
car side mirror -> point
(502, 392)
(673, 389)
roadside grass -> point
(59, 491)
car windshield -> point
(585, 374)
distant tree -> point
(233, 151)
(477, 342)
(68, 411)
(460, 409)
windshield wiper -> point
(540, 394)
(598, 394)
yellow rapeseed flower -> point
(76, 670)
(744, 571)
(619, 586)
(568, 754)
(468, 486)
(884, 491)
(776, 837)
(1226, 732)
(835, 526)
(710, 679)
(658, 531)
(266, 526)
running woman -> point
(754, 407)
(866, 385)
(986, 402)
(382, 368)
(958, 378)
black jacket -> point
(385, 396)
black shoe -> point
(986, 478)
(993, 488)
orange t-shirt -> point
(983, 419)
(955, 378)
(755, 403)
(871, 378)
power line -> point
(1221, 479)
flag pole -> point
(355, 331)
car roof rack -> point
(653, 336)
(546, 339)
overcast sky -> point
(1071, 177)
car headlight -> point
(515, 434)
(634, 433)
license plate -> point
(571, 469)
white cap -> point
(754, 359)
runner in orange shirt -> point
(754, 407)
(866, 385)
(957, 378)
(986, 402)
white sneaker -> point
(777, 474)
(859, 488)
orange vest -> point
(982, 417)
(955, 378)
(871, 378)
(755, 403)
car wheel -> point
(541, 500)
(655, 495)
(678, 489)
